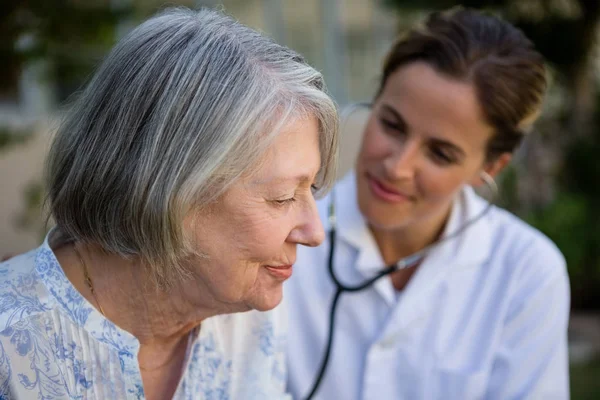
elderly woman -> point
(181, 182)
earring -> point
(490, 183)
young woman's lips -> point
(385, 193)
(282, 272)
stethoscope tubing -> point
(402, 264)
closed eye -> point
(392, 121)
(445, 153)
(441, 157)
(392, 127)
(285, 201)
(282, 202)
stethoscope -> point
(406, 262)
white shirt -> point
(483, 317)
(55, 345)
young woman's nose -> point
(401, 162)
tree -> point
(70, 35)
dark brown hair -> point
(509, 75)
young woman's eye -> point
(441, 157)
(391, 127)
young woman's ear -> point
(493, 168)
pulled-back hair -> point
(508, 74)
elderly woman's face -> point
(250, 234)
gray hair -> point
(180, 108)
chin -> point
(267, 300)
(384, 224)
(382, 217)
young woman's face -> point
(426, 138)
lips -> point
(385, 192)
(281, 272)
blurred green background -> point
(48, 49)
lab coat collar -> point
(474, 244)
(465, 254)
(353, 228)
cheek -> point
(440, 184)
(230, 240)
(262, 237)
(375, 145)
(266, 243)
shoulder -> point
(22, 264)
(522, 242)
(522, 269)
(21, 298)
(537, 266)
(21, 292)
(512, 241)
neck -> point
(395, 244)
(125, 291)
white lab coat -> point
(484, 317)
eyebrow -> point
(432, 136)
(279, 179)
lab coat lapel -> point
(469, 250)
(353, 230)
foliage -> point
(10, 137)
(572, 221)
(584, 380)
(30, 218)
(508, 183)
(70, 35)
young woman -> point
(482, 314)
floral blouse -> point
(55, 345)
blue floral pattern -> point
(55, 345)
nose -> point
(401, 163)
(309, 231)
